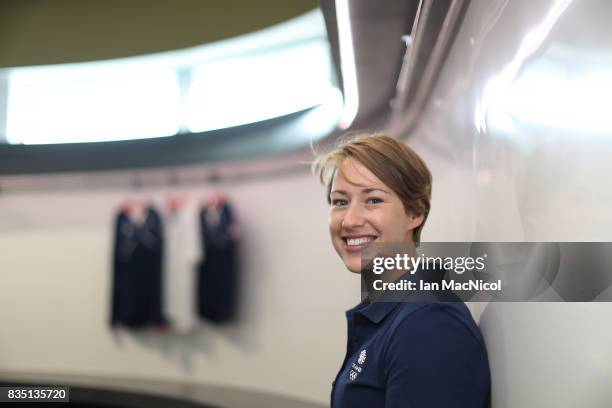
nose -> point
(353, 217)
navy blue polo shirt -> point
(412, 355)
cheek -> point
(403, 227)
(393, 225)
(334, 221)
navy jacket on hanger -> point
(137, 268)
(218, 272)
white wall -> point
(530, 184)
(56, 282)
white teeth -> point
(359, 241)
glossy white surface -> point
(542, 176)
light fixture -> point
(347, 63)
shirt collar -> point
(377, 311)
(373, 311)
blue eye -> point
(374, 200)
(338, 202)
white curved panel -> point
(549, 354)
(512, 161)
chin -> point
(353, 267)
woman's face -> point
(364, 210)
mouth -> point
(357, 244)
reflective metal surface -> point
(519, 140)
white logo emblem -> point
(357, 368)
(362, 357)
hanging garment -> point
(182, 251)
(218, 272)
(137, 263)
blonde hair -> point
(393, 162)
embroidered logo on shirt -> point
(357, 368)
(362, 357)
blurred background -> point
(109, 108)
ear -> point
(415, 221)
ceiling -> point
(38, 32)
(381, 54)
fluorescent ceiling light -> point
(347, 63)
(270, 73)
(496, 90)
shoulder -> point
(437, 316)
(435, 330)
(436, 357)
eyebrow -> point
(365, 190)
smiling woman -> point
(379, 190)
(421, 354)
